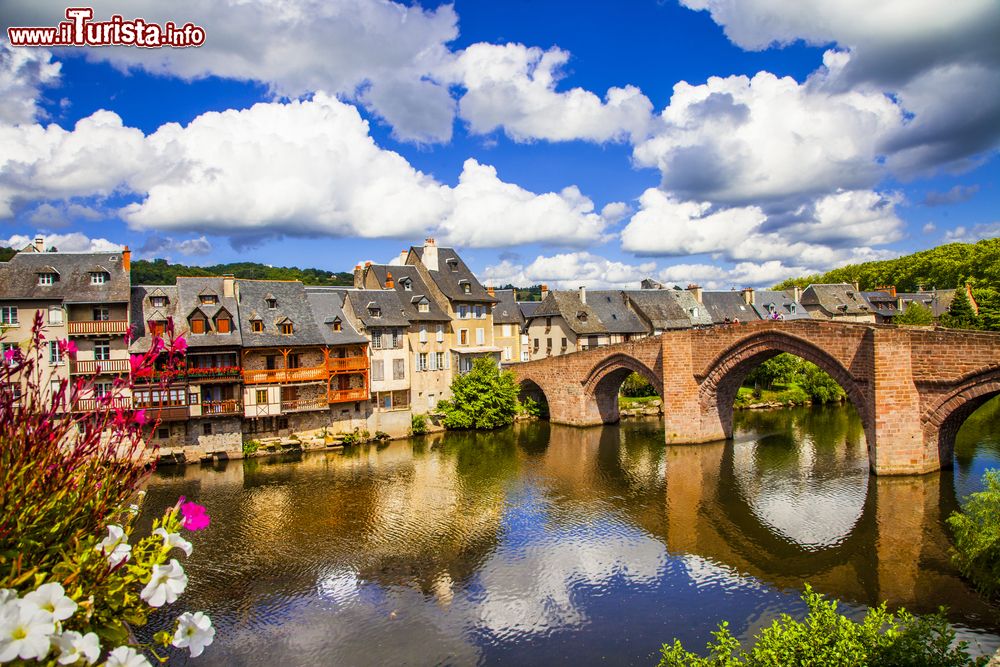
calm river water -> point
(543, 544)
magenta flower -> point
(195, 516)
(140, 417)
(67, 347)
(8, 354)
(180, 344)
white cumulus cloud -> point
(569, 270)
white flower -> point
(51, 599)
(115, 546)
(194, 631)
(7, 595)
(73, 646)
(168, 581)
(126, 656)
(24, 632)
(174, 540)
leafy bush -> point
(916, 314)
(250, 447)
(828, 638)
(484, 398)
(820, 387)
(418, 424)
(381, 436)
(977, 535)
(533, 408)
(636, 385)
(783, 369)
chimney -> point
(389, 282)
(695, 291)
(358, 277)
(796, 293)
(126, 258)
(856, 287)
(583, 295)
(228, 285)
(40, 243)
(491, 291)
(403, 254)
(747, 293)
(430, 257)
(545, 291)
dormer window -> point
(209, 299)
(257, 326)
(158, 301)
(452, 264)
(771, 308)
(374, 311)
(424, 307)
(407, 284)
(157, 327)
(337, 325)
(223, 323)
(198, 324)
(271, 302)
(98, 277)
(694, 312)
(46, 279)
(582, 316)
(286, 328)
(466, 286)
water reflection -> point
(555, 544)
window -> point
(565, 343)
(463, 312)
(338, 325)
(463, 336)
(508, 353)
(376, 339)
(209, 299)
(55, 357)
(256, 326)
(102, 389)
(536, 345)
(396, 339)
(158, 301)
(398, 369)
(261, 397)
(791, 308)
(423, 333)
(374, 311)
(440, 333)
(506, 330)
(480, 336)
(524, 355)
(694, 312)
(46, 278)
(206, 428)
(466, 288)
(8, 316)
(478, 310)
(432, 359)
(223, 325)
(453, 264)
(198, 325)
(163, 433)
(55, 315)
(4, 347)
(424, 307)
(439, 357)
(98, 278)
(157, 327)
(102, 350)
(407, 285)
(102, 314)
(287, 328)
(422, 361)
(378, 370)
(272, 303)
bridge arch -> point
(726, 373)
(943, 419)
(605, 378)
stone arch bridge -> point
(913, 388)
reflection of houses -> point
(83, 297)
(840, 301)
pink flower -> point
(140, 417)
(10, 353)
(195, 517)
(180, 344)
(67, 347)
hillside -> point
(161, 272)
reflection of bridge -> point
(912, 388)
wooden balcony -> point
(215, 374)
(97, 327)
(167, 413)
(347, 364)
(106, 366)
(286, 375)
(91, 404)
(347, 395)
(220, 408)
(302, 404)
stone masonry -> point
(912, 387)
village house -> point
(508, 327)
(83, 297)
(842, 302)
(666, 309)
(726, 307)
(572, 320)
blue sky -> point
(711, 141)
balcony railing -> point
(347, 395)
(300, 404)
(347, 364)
(214, 373)
(166, 413)
(91, 404)
(82, 328)
(285, 375)
(106, 366)
(231, 407)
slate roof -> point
(782, 304)
(939, 301)
(669, 309)
(731, 306)
(328, 306)
(19, 277)
(410, 298)
(449, 281)
(142, 311)
(836, 298)
(528, 308)
(605, 312)
(291, 304)
(393, 314)
(506, 310)
(190, 291)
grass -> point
(629, 402)
(790, 394)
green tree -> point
(960, 314)
(484, 398)
(977, 535)
(826, 637)
(915, 314)
(636, 385)
(819, 385)
(783, 369)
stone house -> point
(509, 327)
(842, 302)
(572, 320)
(378, 315)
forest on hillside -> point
(162, 272)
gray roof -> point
(782, 303)
(292, 305)
(451, 273)
(328, 307)
(728, 306)
(142, 311)
(836, 298)
(387, 302)
(528, 308)
(605, 312)
(939, 301)
(19, 277)
(409, 276)
(669, 309)
(506, 310)
(190, 291)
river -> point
(543, 544)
